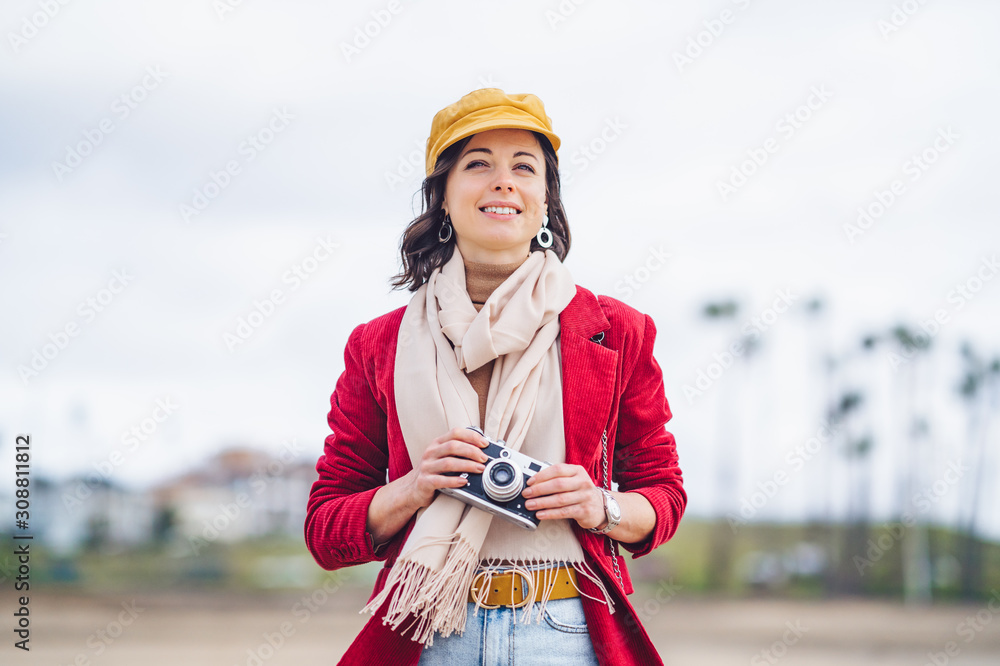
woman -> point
(496, 335)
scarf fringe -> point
(436, 599)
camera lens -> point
(502, 481)
(502, 475)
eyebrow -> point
(490, 152)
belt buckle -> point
(530, 592)
(480, 594)
(480, 597)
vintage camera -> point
(498, 489)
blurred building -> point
(237, 494)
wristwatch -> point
(613, 511)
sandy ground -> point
(233, 630)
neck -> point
(481, 278)
(482, 255)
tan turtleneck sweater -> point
(480, 281)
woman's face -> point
(495, 195)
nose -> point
(503, 183)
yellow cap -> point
(486, 109)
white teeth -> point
(500, 210)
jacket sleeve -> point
(645, 459)
(351, 469)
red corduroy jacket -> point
(611, 383)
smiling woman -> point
(465, 185)
(495, 196)
(498, 353)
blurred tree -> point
(164, 523)
(721, 543)
(852, 446)
(823, 466)
(980, 389)
(911, 348)
(97, 533)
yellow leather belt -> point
(511, 588)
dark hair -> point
(420, 249)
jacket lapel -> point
(588, 376)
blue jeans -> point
(491, 638)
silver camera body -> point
(498, 490)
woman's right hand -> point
(392, 506)
(458, 450)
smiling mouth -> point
(501, 210)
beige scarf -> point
(519, 327)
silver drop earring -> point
(444, 233)
(544, 233)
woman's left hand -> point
(566, 491)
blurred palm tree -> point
(916, 542)
(853, 446)
(824, 467)
(980, 389)
(721, 548)
(815, 310)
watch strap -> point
(612, 524)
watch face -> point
(614, 510)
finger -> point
(560, 484)
(470, 436)
(572, 512)
(554, 471)
(462, 449)
(559, 500)
(454, 448)
(441, 481)
(453, 464)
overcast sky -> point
(739, 138)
